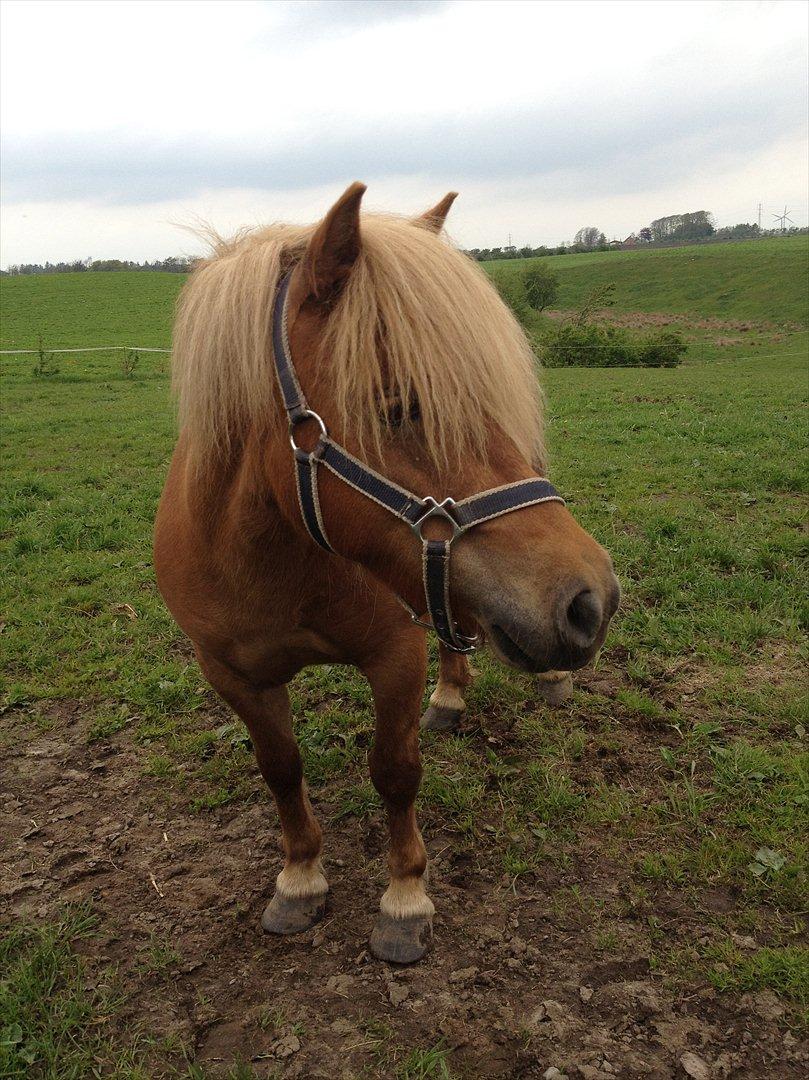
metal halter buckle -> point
(470, 643)
(440, 510)
(307, 414)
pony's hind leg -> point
(447, 706)
(403, 929)
(300, 889)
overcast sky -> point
(122, 118)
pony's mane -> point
(416, 321)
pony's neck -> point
(232, 499)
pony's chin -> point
(505, 647)
(509, 652)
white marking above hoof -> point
(405, 899)
(302, 879)
(447, 697)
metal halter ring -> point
(439, 510)
(307, 414)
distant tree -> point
(742, 231)
(486, 254)
(589, 238)
(645, 235)
(108, 264)
(177, 264)
(541, 286)
(692, 226)
(662, 228)
(695, 226)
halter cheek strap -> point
(403, 504)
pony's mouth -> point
(561, 658)
(510, 650)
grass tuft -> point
(53, 1018)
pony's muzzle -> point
(567, 639)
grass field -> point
(71, 310)
(661, 815)
(759, 280)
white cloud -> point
(119, 117)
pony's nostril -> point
(583, 617)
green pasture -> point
(72, 310)
(759, 280)
(763, 280)
(694, 478)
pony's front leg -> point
(300, 889)
(447, 705)
(403, 929)
(555, 687)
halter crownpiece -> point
(412, 510)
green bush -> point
(512, 292)
(541, 286)
(664, 349)
(590, 345)
(44, 364)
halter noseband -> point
(460, 516)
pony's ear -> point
(434, 219)
(334, 248)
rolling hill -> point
(759, 280)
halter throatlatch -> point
(412, 510)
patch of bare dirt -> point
(514, 984)
(657, 319)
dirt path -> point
(512, 988)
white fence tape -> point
(94, 348)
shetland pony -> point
(405, 350)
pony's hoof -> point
(401, 941)
(556, 692)
(292, 914)
(439, 718)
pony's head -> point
(405, 349)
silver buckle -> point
(309, 414)
(469, 644)
(441, 510)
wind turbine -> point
(784, 218)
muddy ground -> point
(660, 319)
(513, 987)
